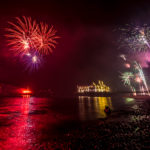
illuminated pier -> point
(94, 88)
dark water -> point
(28, 120)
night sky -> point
(87, 50)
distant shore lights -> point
(100, 87)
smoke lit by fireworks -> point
(143, 58)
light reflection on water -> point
(23, 122)
(27, 121)
(13, 132)
(93, 107)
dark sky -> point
(86, 51)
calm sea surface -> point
(29, 120)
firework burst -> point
(126, 77)
(33, 61)
(30, 40)
(26, 34)
(45, 39)
(135, 37)
(20, 35)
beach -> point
(132, 132)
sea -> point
(29, 120)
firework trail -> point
(141, 74)
(135, 37)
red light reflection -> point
(27, 121)
(17, 135)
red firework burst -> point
(20, 35)
(45, 39)
(26, 35)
